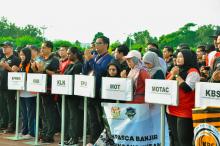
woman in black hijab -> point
(180, 117)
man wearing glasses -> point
(96, 65)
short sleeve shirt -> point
(12, 60)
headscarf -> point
(152, 58)
(134, 72)
(190, 61)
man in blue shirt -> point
(96, 65)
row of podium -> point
(156, 91)
(163, 92)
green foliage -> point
(129, 42)
(77, 44)
(28, 40)
(10, 29)
(8, 38)
(115, 44)
(143, 37)
(202, 34)
(98, 34)
(188, 34)
(20, 36)
(61, 43)
(140, 40)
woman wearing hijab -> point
(180, 117)
(152, 63)
(138, 74)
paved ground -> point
(6, 142)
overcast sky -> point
(81, 19)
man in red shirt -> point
(63, 59)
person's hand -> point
(216, 75)
(40, 66)
(88, 55)
(123, 74)
(175, 71)
(15, 68)
(179, 80)
(5, 65)
(33, 66)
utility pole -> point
(43, 30)
(129, 37)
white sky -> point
(81, 19)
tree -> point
(115, 44)
(202, 34)
(59, 43)
(27, 40)
(183, 35)
(143, 37)
(129, 42)
(77, 44)
(188, 34)
(10, 29)
(97, 35)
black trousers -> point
(48, 111)
(73, 118)
(9, 108)
(3, 111)
(181, 130)
(96, 124)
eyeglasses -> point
(98, 43)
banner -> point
(117, 88)
(207, 94)
(16, 81)
(134, 124)
(161, 92)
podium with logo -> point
(206, 115)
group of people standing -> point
(183, 65)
